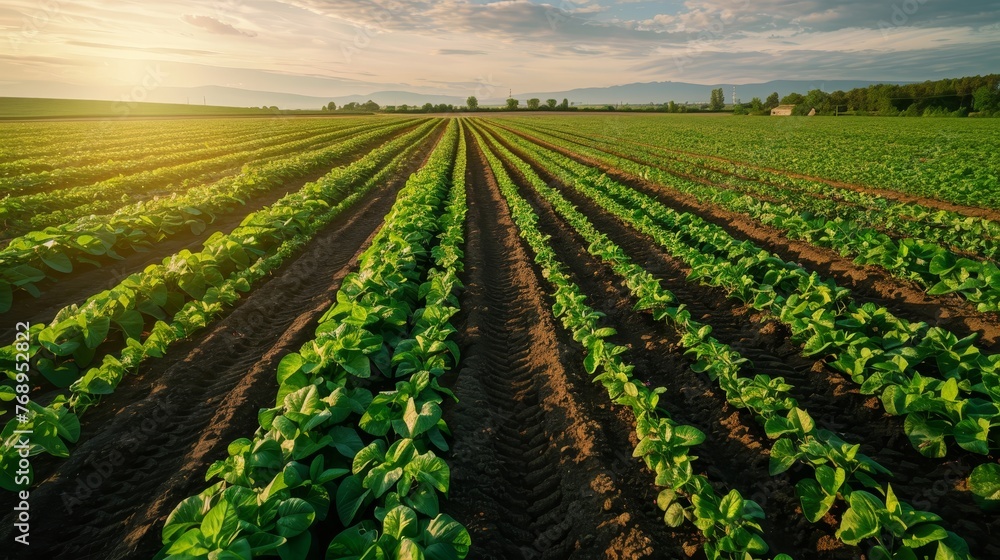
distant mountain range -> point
(637, 93)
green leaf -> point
(444, 529)
(131, 323)
(731, 505)
(972, 434)
(927, 436)
(295, 515)
(58, 262)
(351, 497)
(861, 520)
(189, 513)
(352, 543)
(830, 479)
(815, 502)
(419, 422)
(924, 534)
(689, 435)
(985, 482)
(220, 525)
(401, 522)
(674, 516)
(96, 331)
(783, 456)
(801, 420)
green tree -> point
(564, 106)
(370, 106)
(512, 104)
(792, 99)
(718, 100)
(428, 107)
(672, 107)
(756, 106)
(817, 99)
(472, 103)
(534, 103)
(772, 101)
(551, 103)
(986, 99)
(331, 106)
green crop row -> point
(193, 284)
(894, 528)
(334, 445)
(729, 523)
(34, 257)
(22, 214)
(61, 173)
(955, 161)
(803, 216)
(952, 229)
(884, 354)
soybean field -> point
(498, 337)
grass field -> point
(554, 336)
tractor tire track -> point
(867, 283)
(537, 470)
(832, 399)
(149, 444)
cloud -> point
(156, 50)
(213, 25)
(459, 51)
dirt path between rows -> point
(833, 400)
(147, 446)
(898, 196)
(867, 283)
(86, 280)
(541, 466)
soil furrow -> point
(86, 281)
(867, 283)
(833, 400)
(735, 453)
(149, 444)
(898, 196)
(540, 469)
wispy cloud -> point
(454, 46)
(213, 25)
(469, 52)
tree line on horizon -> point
(956, 97)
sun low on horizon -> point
(456, 47)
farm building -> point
(782, 111)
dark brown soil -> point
(832, 400)
(867, 283)
(986, 213)
(541, 460)
(541, 464)
(147, 446)
(87, 280)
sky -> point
(487, 48)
